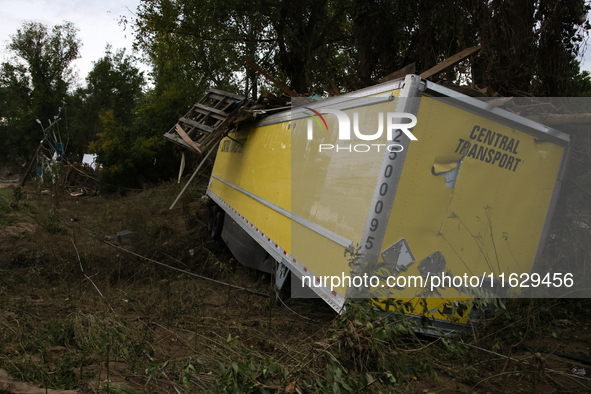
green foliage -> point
(189, 43)
(373, 29)
(114, 84)
(311, 43)
(126, 161)
(52, 224)
(530, 47)
(34, 84)
(309, 37)
(18, 131)
(244, 377)
(116, 119)
(47, 57)
(369, 338)
(367, 346)
(91, 335)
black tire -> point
(216, 222)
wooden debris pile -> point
(81, 180)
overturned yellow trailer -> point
(422, 181)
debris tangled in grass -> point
(77, 314)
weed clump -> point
(52, 224)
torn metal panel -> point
(432, 265)
(398, 257)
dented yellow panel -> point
(472, 189)
(492, 220)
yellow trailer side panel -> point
(492, 220)
(333, 189)
(261, 166)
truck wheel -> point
(216, 222)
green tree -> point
(562, 29)
(15, 116)
(530, 46)
(196, 44)
(47, 56)
(188, 44)
(189, 51)
(308, 35)
(114, 84)
(127, 159)
(34, 83)
(123, 124)
(308, 43)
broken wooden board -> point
(281, 86)
(490, 92)
(206, 121)
(186, 138)
(450, 61)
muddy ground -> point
(79, 315)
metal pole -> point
(193, 176)
(45, 131)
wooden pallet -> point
(206, 121)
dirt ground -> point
(78, 315)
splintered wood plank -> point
(177, 140)
(450, 61)
(270, 78)
(185, 137)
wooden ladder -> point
(206, 121)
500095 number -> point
(378, 207)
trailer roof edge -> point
(445, 94)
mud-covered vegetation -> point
(82, 315)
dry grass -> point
(76, 313)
